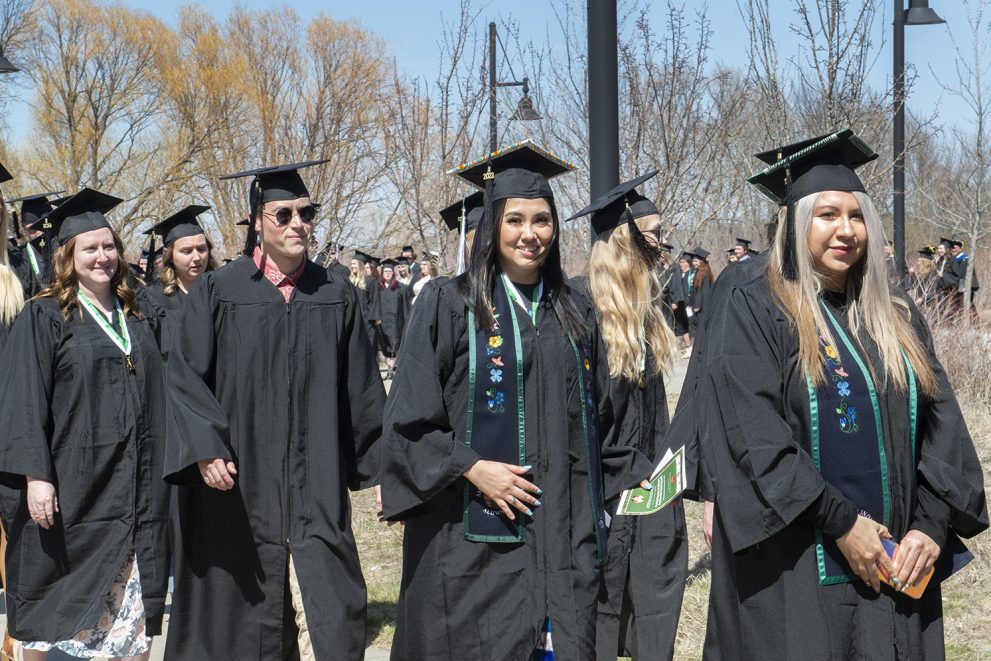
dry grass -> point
(966, 600)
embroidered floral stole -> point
(848, 440)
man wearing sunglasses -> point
(275, 412)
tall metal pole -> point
(898, 173)
(493, 136)
(603, 97)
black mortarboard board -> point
(950, 243)
(5, 175)
(362, 257)
(666, 247)
(743, 243)
(83, 212)
(34, 207)
(827, 162)
(389, 264)
(401, 260)
(408, 249)
(472, 206)
(731, 251)
(609, 210)
(180, 224)
(519, 170)
(928, 252)
(242, 223)
(272, 184)
(277, 182)
(701, 253)
(686, 255)
(376, 261)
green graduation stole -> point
(496, 422)
(848, 440)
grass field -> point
(966, 598)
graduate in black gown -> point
(480, 418)
(367, 290)
(38, 248)
(394, 309)
(187, 254)
(275, 411)
(16, 279)
(702, 281)
(333, 262)
(647, 563)
(828, 424)
(81, 457)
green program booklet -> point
(668, 481)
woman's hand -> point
(217, 474)
(708, 510)
(502, 484)
(915, 555)
(861, 546)
(42, 502)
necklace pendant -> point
(42, 243)
(130, 364)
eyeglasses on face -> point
(284, 215)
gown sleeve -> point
(623, 465)
(764, 479)
(422, 455)
(29, 362)
(365, 398)
(197, 427)
(951, 482)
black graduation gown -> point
(368, 301)
(291, 394)
(471, 600)
(647, 561)
(339, 270)
(394, 306)
(765, 599)
(17, 262)
(76, 416)
(44, 254)
(168, 308)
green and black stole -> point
(848, 439)
(496, 421)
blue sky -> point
(412, 29)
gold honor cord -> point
(123, 339)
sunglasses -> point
(284, 215)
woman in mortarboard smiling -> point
(83, 451)
(647, 561)
(829, 426)
(500, 446)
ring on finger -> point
(512, 500)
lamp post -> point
(918, 13)
(524, 110)
(5, 65)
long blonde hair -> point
(167, 275)
(356, 276)
(627, 292)
(871, 307)
(11, 290)
(64, 284)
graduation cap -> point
(950, 243)
(403, 261)
(701, 253)
(731, 252)
(34, 207)
(609, 210)
(408, 249)
(743, 243)
(520, 170)
(824, 163)
(5, 175)
(82, 212)
(928, 252)
(272, 183)
(667, 247)
(180, 224)
(470, 208)
(389, 264)
(362, 257)
(686, 255)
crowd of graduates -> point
(179, 417)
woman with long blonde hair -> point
(842, 466)
(187, 254)
(647, 561)
(82, 456)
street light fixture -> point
(918, 13)
(524, 110)
(5, 65)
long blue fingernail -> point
(540, 492)
(528, 512)
(537, 503)
(527, 467)
(649, 487)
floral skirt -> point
(120, 630)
